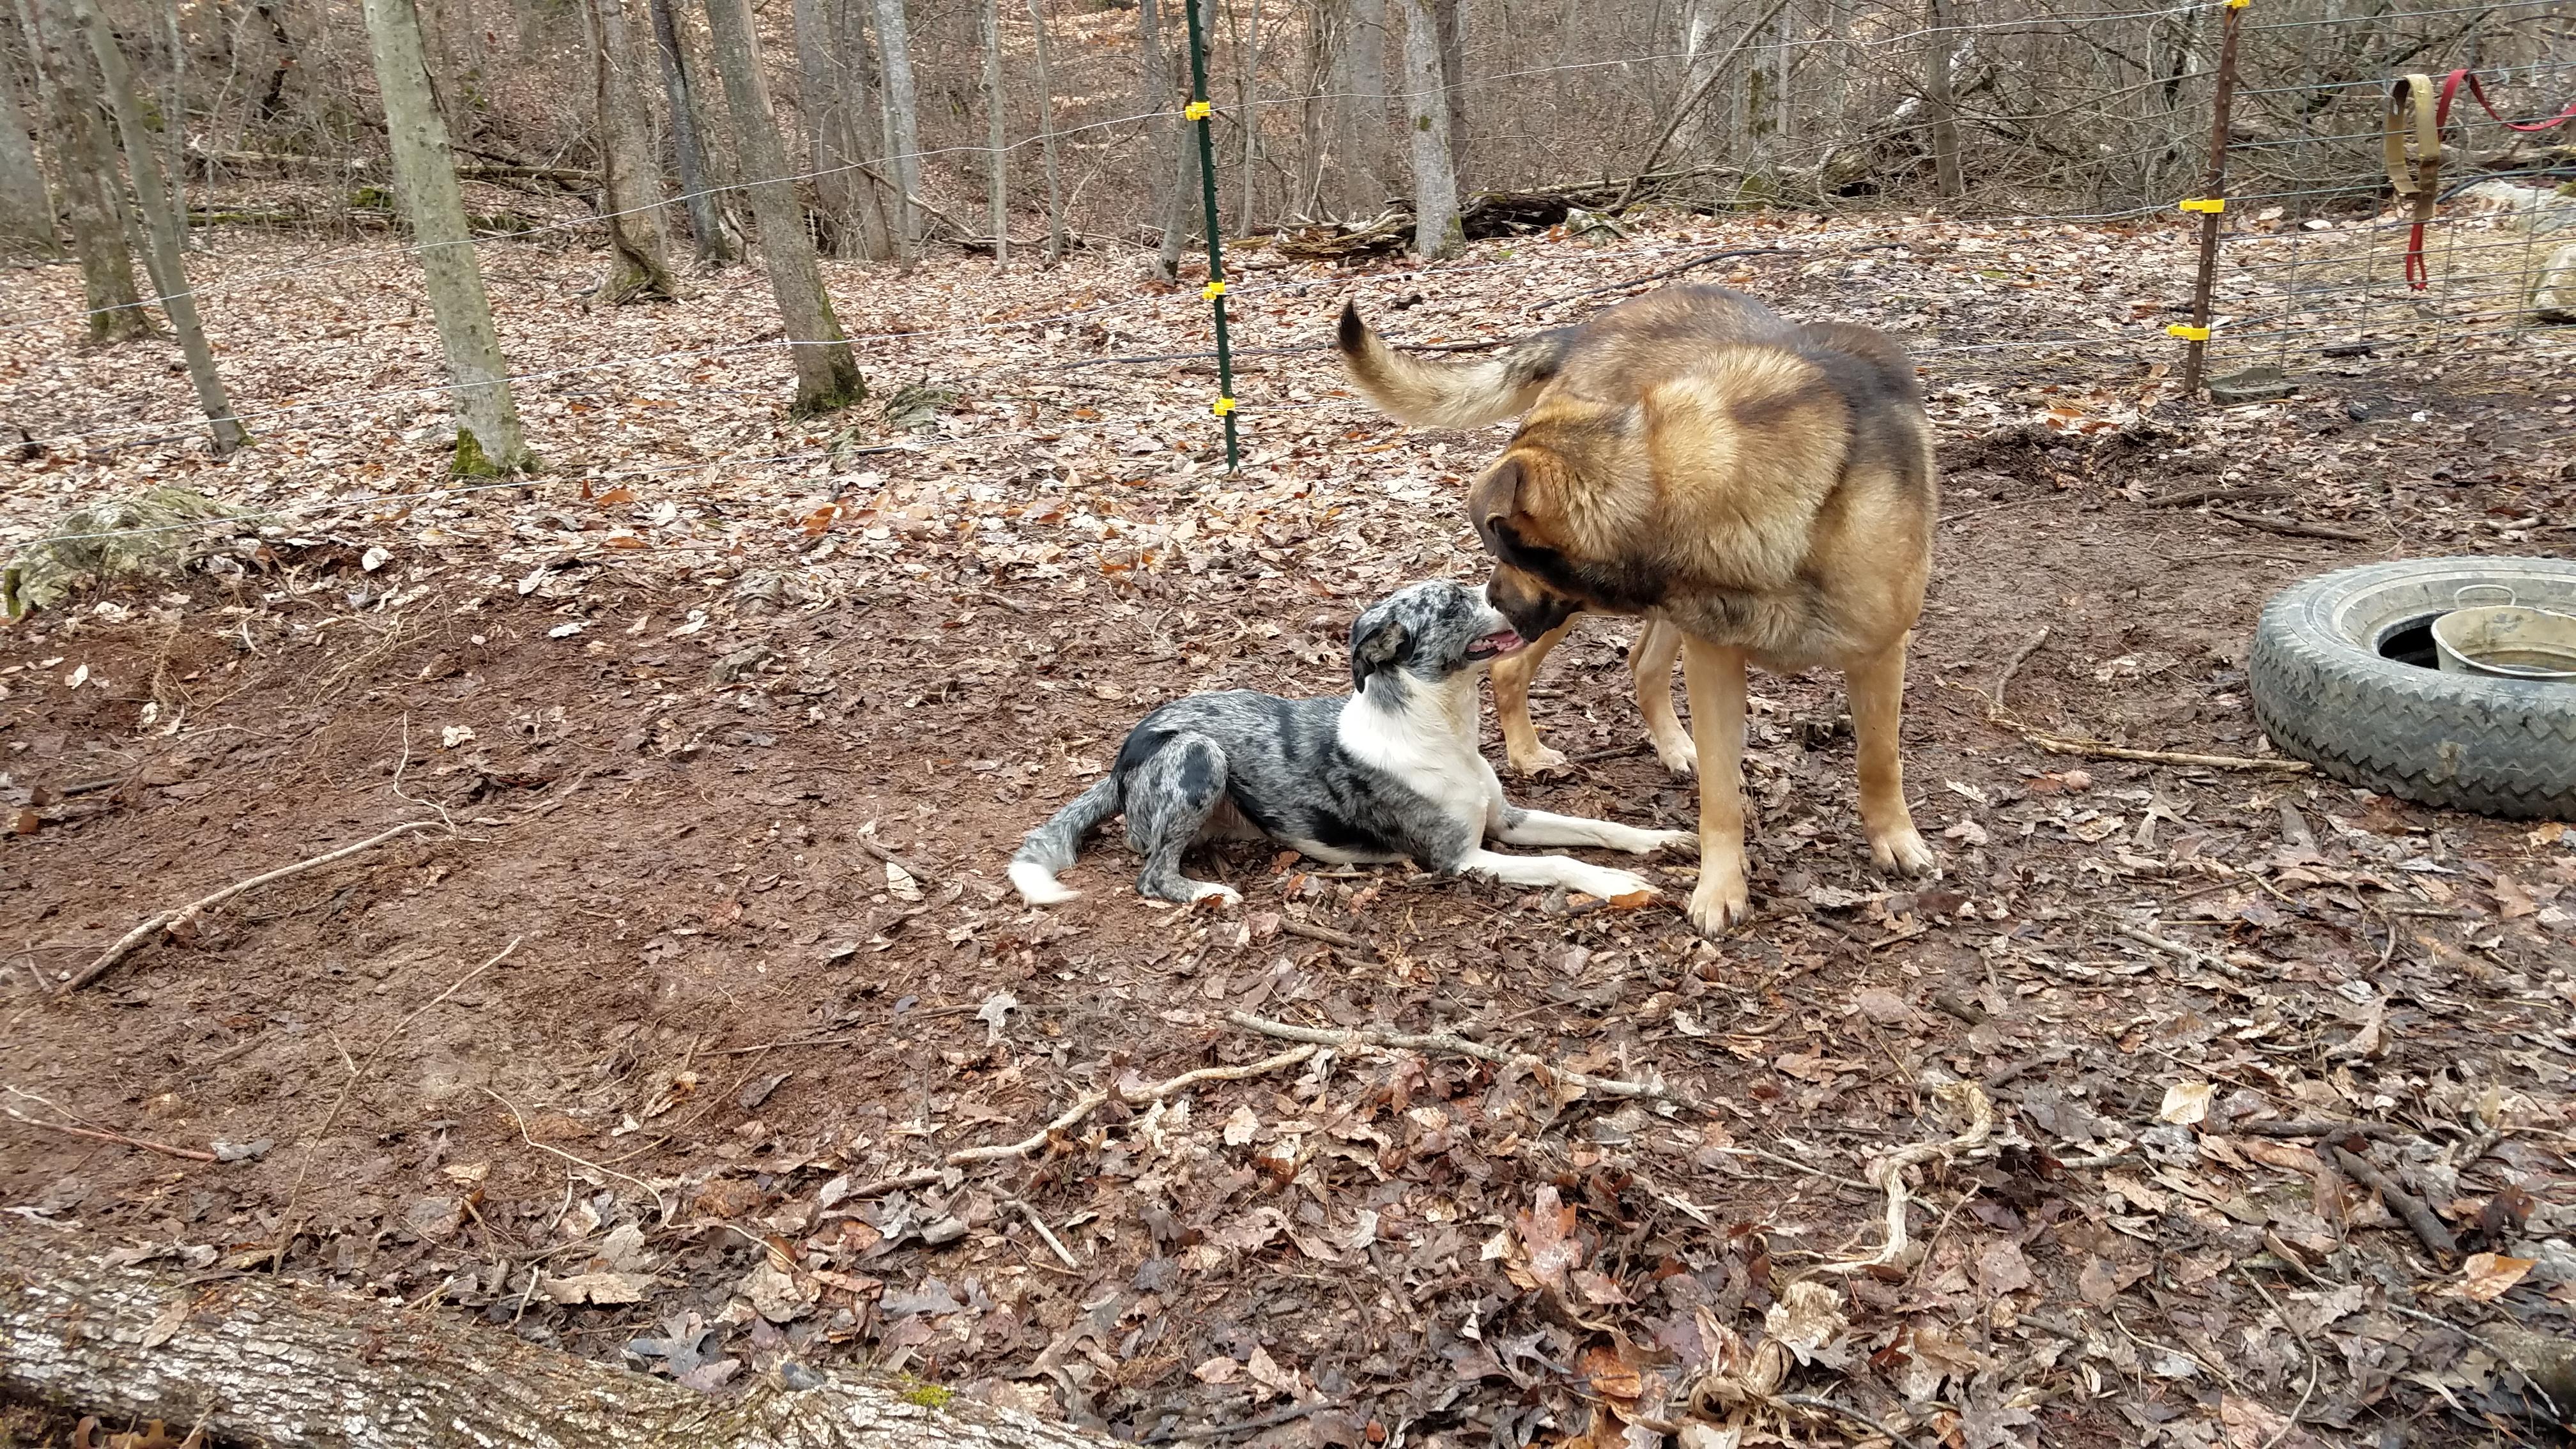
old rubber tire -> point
(2343, 675)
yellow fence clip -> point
(2187, 332)
(1222, 406)
(2204, 203)
(1212, 291)
(1197, 111)
(2238, 4)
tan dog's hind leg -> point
(1715, 674)
(1877, 687)
(1650, 663)
(1512, 675)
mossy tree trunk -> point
(488, 439)
(827, 376)
(1046, 134)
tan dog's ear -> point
(1495, 498)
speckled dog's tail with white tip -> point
(1051, 847)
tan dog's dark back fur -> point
(1764, 487)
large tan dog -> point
(1759, 489)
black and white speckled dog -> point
(1390, 773)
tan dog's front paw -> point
(1721, 901)
(1538, 759)
(1677, 752)
(1904, 853)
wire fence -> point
(2313, 271)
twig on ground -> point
(2295, 528)
(2314, 1129)
(1887, 1172)
(1692, 265)
(2190, 496)
(661, 1209)
(1614, 752)
(100, 1134)
(331, 1118)
(1808, 1169)
(1072, 1116)
(2305, 1351)
(1288, 1415)
(1455, 1046)
(2504, 1353)
(921, 873)
(2188, 955)
(2416, 1214)
(1048, 1234)
(2077, 745)
(2013, 665)
(134, 939)
(1811, 1401)
(1314, 932)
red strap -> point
(2417, 277)
(2451, 84)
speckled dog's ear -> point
(1377, 642)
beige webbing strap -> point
(2419, 182)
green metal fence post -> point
(1200, 112)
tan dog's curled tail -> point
(1453, 392)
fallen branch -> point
(100, 1134)
(2013, 666)
(1455, 1046)
(2189, 955)
(2291, 526)
(2190, 496)
(134, 940)
(1074, 1115)
(2412, 1209)
(2291, 1425)
(2314, 1129)
(1888, 1172)
(1329, 937)
(1694, 263)
(1812, 1401)
(267, 1360)
(2092, 749)
(921, 873)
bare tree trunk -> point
(96, 212)
(861, 115)
(688, 146)
(997, 166)
(629, 183)
(1450, 19)
(1936, 97)
(1436, 231)
(278, 1362)
(902, 122)
(1250, 108)
(1046, 135)
(1173, 153)
(174, 117)
(488, 439)
(825, 123)
(827, 377)
(162, 230)
(26, 207)
(1360, 114)
(1696, 140)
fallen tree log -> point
(280, 1362)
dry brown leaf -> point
(1548, 1237)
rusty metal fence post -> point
(2211, 204)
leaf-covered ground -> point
(675, 701)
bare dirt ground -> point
(643, 1050)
